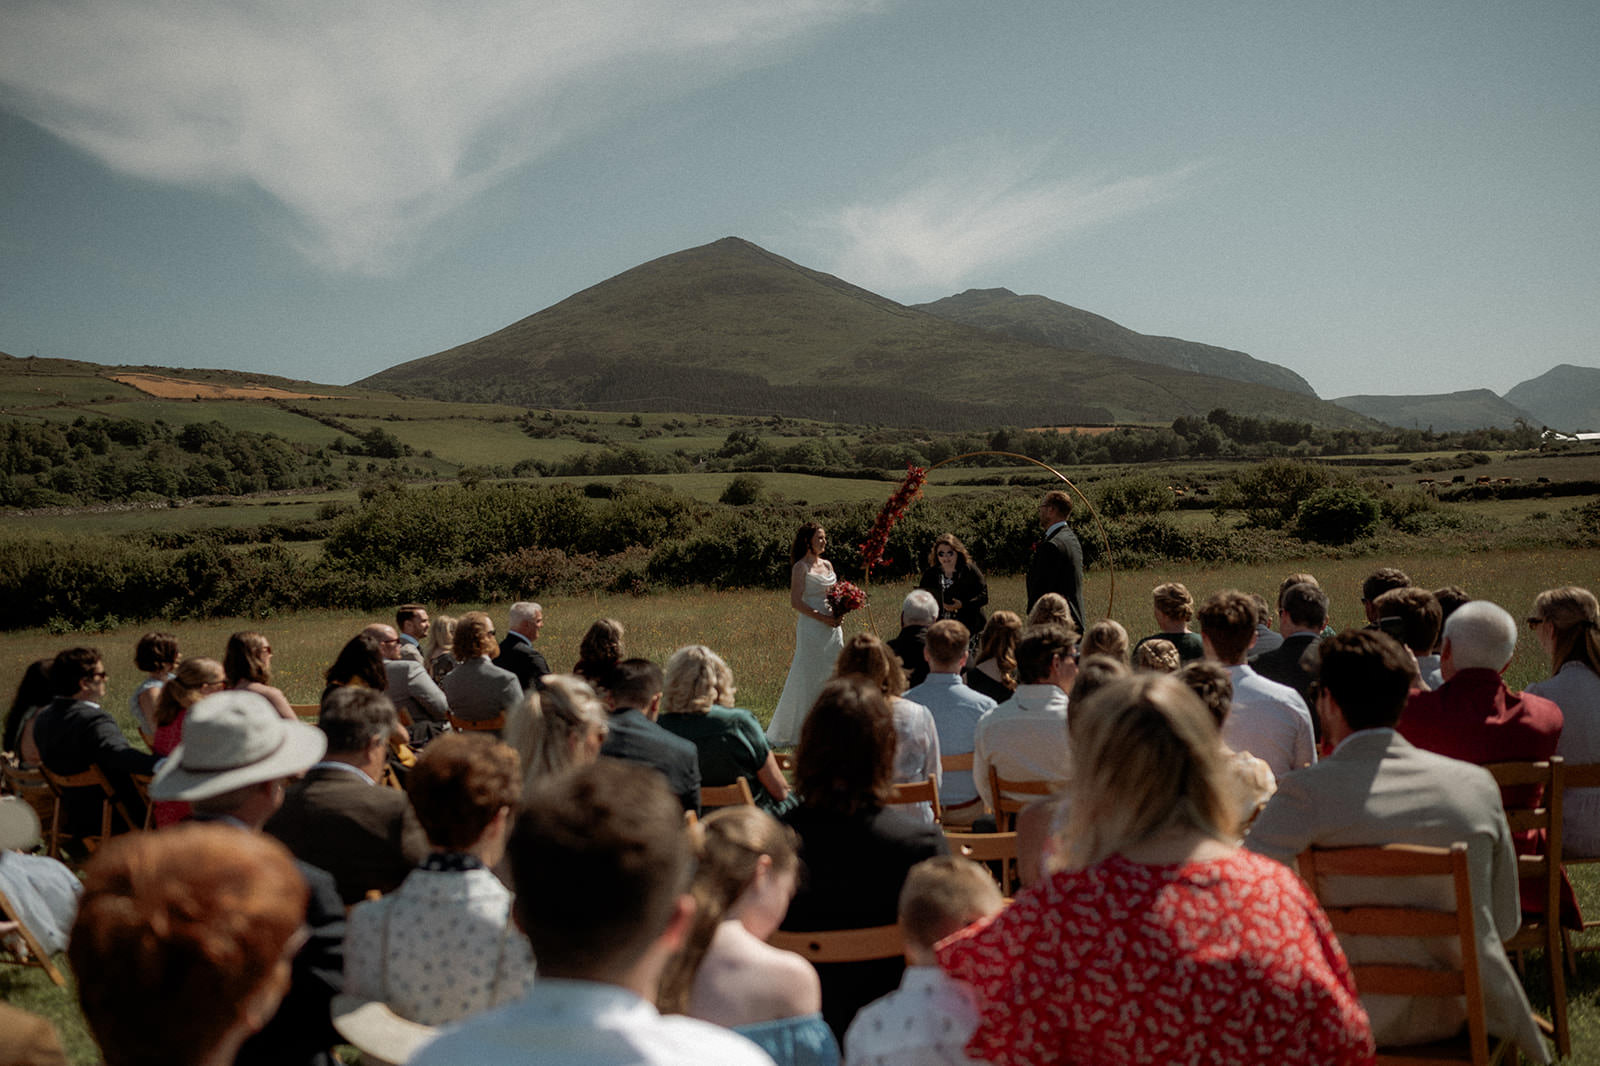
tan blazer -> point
(1378, 788)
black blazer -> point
(1282, 664)
(968, 586)
(518, 655)
(635, 738)
(910, 645)
(72, 736)
(1058, 567)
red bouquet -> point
(844, 598)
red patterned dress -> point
(1218, 961)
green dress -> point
(732, 745)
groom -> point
(1058, 560)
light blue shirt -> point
(956, 710)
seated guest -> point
(43, 892)
(359, 663)
(930, 1017)
(476, 688)
(410, 689)
(1376, 788)
(1051, 609)
(157, 656)
(727, 973)
(442, 946)
(517, 652)
(1266, 639)
(194, 680)
(919, 611)
(441, 638)
(183, 941)
(338, 817)
(955, 709)
(916, 738)
(994, 672)
(1025, 738)
(1567, 623)
(1106, 637)
(697, 705)
(1412, 616)
(32, 696)
(1302, 613)
(1268, 720)
(74, 733)
(1220, 934)
(1250, 780)
(955, 582)
(600, 650)
(601, 867)
(413, 625)
(561, 726)
(1377, 583)
(1174, 608)
(1157, 656)
(634, 735)
(248, 664)
(856, 850)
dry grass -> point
(179, 389)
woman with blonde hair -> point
(726, 972)
(994, 671)
(1220, 933)
(1106, 637)
(956, 582)
(1173, 607)
(1567, 623)
(917, 737)
(697, 705)
(441, 637)
(561, 727)
(247, 662)
(1052, 609)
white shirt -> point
(1024, 739)
(927, 1021)
(559, 1023)
(1270, 721)
(440, 947)
(1576, 690)
(916, 753)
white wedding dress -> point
(816, 649)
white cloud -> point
(366, 119)
(969, 209)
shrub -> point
(1134, 494)
(1337, 514)
(742, 491)
(1271, 493)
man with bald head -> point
(411, 690)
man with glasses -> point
(74, 733)
(413, 693)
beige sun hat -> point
(233, 739)
(383, 1037)
(19, 825)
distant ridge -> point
(1442, 412)
(1039, 320)
(1565, 398)
(729, 326)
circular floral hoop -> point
(911, 488)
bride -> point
(817, 640)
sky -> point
(1384, 197)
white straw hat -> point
(234, 739)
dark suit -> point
(75, 734)
(1058, 567)
(1282, 664)
(909, 645)
(365, 835)
(966, 585)
(637, 739)
(518, 655)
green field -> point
(34, 392)
(256, 417)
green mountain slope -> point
(1038, 320)
(1565, 398)
(731, 327)
(1443, 412)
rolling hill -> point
(1565, 397)
(1038, 320)
(731, 327)
(1442, 412)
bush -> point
(742, 491)
(1337, 514)
(1270, 494)
(1134, 494)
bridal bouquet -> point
(844, 598)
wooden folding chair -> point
(1577, 775)
(1411, 922)
(844, 945)
(785, 763)
(949, 763)
(988, 847)
(59, 785)
(29, 783)
(924, 791)
(306, 710)
(141, 784)
(734, 795)
(478, 725)
(1005, 791)
(1535, 804)
(32, 952)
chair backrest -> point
(141, 783)
(924, 791)
(478, 725)
(60, 784)
(844, 945)
(29, 783)
(1005, 791)
(1409, 921)
(306, 710)
(951, 763)
(31, 953)
(785, 761)
(988, 847)
(733, 795)
(1577, 775)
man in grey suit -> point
(411, 690)
(1376, 788)
(412, 620)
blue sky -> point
(1385, 197)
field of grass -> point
(26, 391)
(123, 520)
(255, 417)
(476, 443)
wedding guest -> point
(916, 737)
(248, 665)
(1566, 622)
(956, 710)
(697, 705)
(157, 655)
(476, 688)
(1173, 607)
(441, 636)
(1051, 609)
(1106, 637)
(563, 725)
(194, 680)
(599, 652)
(1157, 655)
(994, 671)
